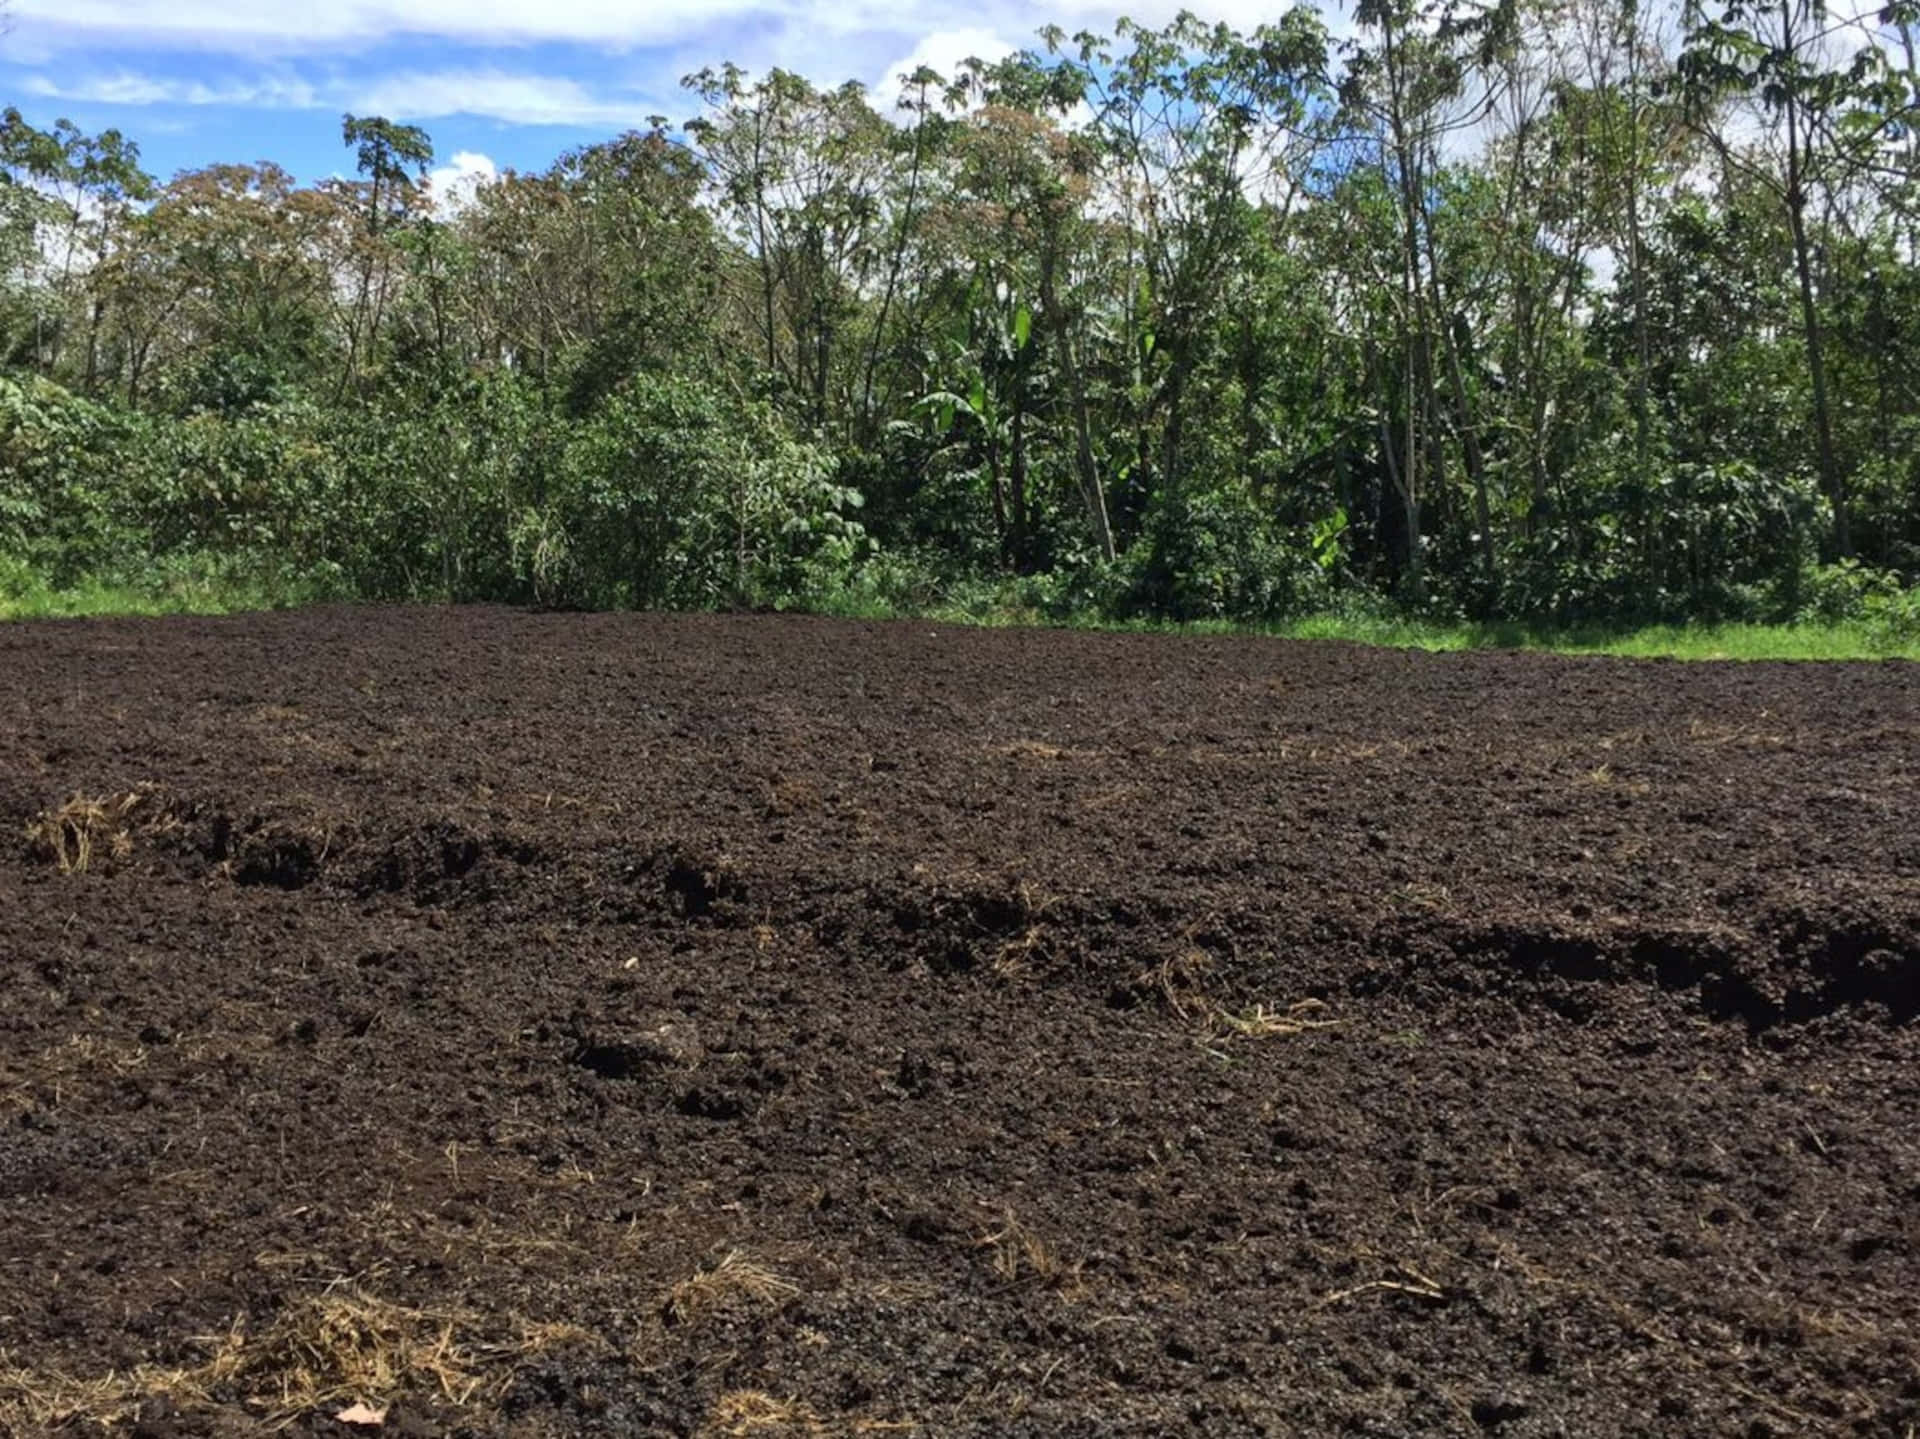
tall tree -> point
(393, 160)
(1771, 65)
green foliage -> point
(1180, 324)
(1848, 590)
(182, 584)
(1893, 620)
(1217, 555)
(393, 157)
(672, 494)
(1690, 540)
(68, 471)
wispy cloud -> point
(499, 95)
(356, 24)
(126, 87)
(360, 24)
(494, 94)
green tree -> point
(393, 160)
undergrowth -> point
(212, 590)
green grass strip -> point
(1846, 641)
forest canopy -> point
(1554, 310)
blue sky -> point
(497, 83)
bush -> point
(1832, 594)
(1893, 619)
(674, 495)
(67, 470)
(1683, 542)
(1218, 554)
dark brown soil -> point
(563, 1025)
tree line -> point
(1560, 310)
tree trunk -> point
(1831, 479)
(1175, 431)
(895, 264)
(1086, 465)
(1021, 548)
(1000, 531)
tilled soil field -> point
(495, 1023)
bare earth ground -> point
(552, 1025)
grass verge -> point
(188, 591)
(174, 589)
(1853, 640)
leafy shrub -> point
(1218, 554)
(1686, 541)
(674, 495)
(1893, 619)
(66, 468)
(1843, 591)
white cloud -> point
(222, 25)
(601, 64)
(519, 99)
(499, 95)
(126, 87)
(944, 51)
(453, 184)
(491, 93)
